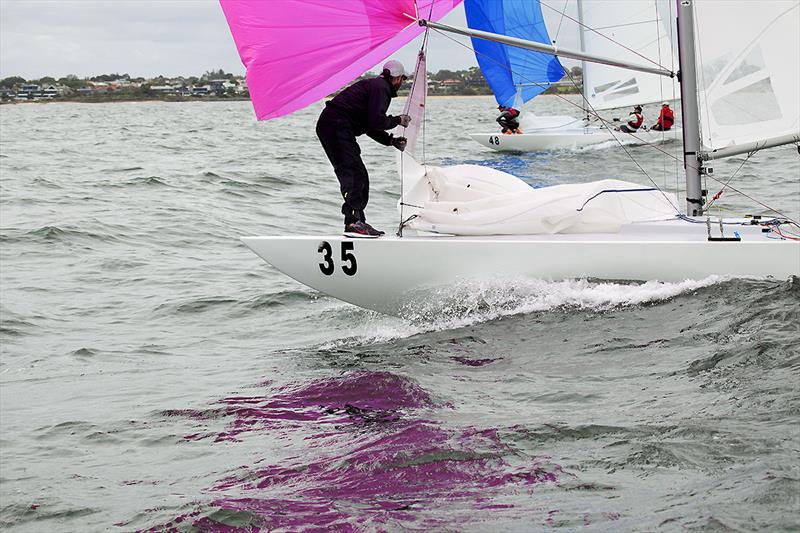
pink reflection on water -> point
(376, 462)
(412, 467)
(358, 396)
(474, 362)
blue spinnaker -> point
(507, 68)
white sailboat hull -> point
(566, 139)
(391, 273)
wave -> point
(238, 307)
(84, 353)
(13, 325)
(148, 181)
(50, 234)
(121, 170)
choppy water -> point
(156, 375)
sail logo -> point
(616, 89)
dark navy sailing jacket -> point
(363, 106)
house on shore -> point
(163, 89)
(53, 91)
(29, 92)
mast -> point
(687, 76)
(583, 62)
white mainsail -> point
(749, 74)
(634, 31)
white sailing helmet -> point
(395, 68)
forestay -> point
(749, 53)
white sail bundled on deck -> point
(475, 200)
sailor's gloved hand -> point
(404, 120)
(399, 143)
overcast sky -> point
(147, 38)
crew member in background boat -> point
(508, 120)
(359, 109)
(635, 120)
(665, 120)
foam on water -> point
(471, 303)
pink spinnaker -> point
(299, 51)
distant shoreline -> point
(85, 100)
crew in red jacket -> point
(666, 119)
(635, 120)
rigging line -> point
(425, 99)
(554, 127)
(402, 154)
(725, 185)
(661, 93)
(593, 112)
(672, 28)
(631, 50)
(614, 26)
(734, 189)
(560, 22)
(402, 192)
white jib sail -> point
(748, 55)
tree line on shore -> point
(215, 84)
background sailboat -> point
(629, 30)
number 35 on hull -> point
(348, 264)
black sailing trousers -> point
(344, 153)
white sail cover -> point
(632, 31)
(748, 54)
(477, 200)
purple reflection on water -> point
(360, 474)
(414, 466)
(358, 396)
(473, 362)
